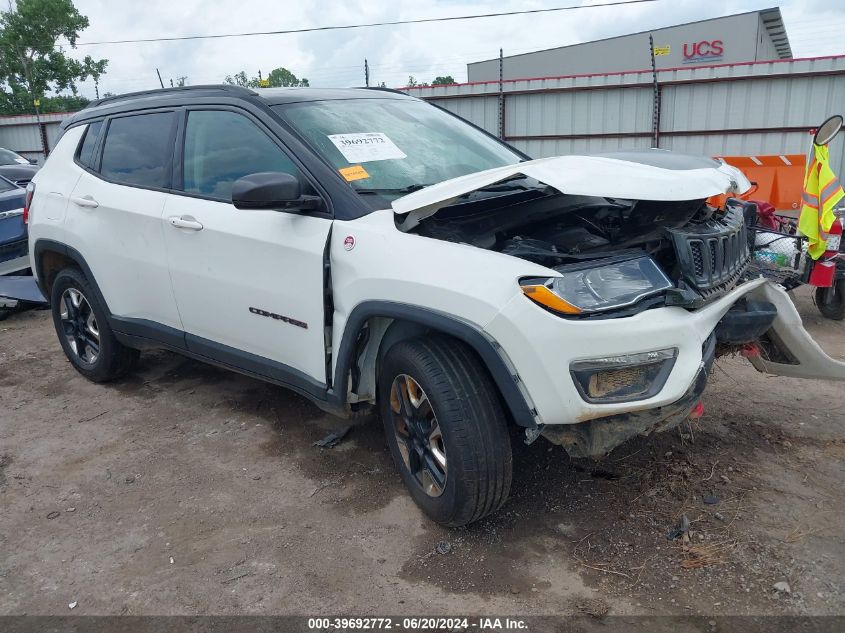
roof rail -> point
(385, 89)
(238, 90)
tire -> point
(84, 332)
(457, 428)
(831, 301)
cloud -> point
(336, 58)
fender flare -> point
(490, 352)
(42, 245)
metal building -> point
(744, 37)
(21, 134)
(753, 108)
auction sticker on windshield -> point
(366, 147)
(356, 172)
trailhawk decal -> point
(279, 317)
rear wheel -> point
(446, 429)
(84, 332)
(831, 301)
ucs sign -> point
(703, 51)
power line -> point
(361, 26)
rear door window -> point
(138, 150)
(86, 150)
(222, 146)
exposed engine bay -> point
(703, 250)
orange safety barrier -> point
(779, 179)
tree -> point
(31, 63)
(282, 77)
(413, 83)
(443, 81)
(63, 103)
(240, 79)
(278, 78)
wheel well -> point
(376, 337)
(364, 331)
(49, 264)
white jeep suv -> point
(362, 248)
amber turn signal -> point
(546, 298)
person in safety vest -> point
(822, 192)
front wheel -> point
(831, 301)
(446, 429)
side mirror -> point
(33, 161)
(272, 190)
(828, 130)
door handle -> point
(86, 202)
(185, 222)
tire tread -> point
(116, 360)
(470, 404)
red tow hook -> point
(697, 411)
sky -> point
(336, 58)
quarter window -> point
(138, 150)
(86, 151)
(221, 147)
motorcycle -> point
(830, 300)
(780, 252)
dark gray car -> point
(16, 168)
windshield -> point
(391, 147)
(8, 157)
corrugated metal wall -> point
(739, 109)
(20, 133)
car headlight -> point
(586, 288)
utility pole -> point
(655, 117)
(36, 102)
(41, 132)
(501, 95)
(159, 78)
(366, 73)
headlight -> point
(586, 288)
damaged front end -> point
(621, 235)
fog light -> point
(623, 378)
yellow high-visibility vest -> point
(822, 191)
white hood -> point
(603, 176)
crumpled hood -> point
(630, 176)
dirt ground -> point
(187, 489)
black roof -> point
(276, 96)
(164, 97)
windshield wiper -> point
(399, 190)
